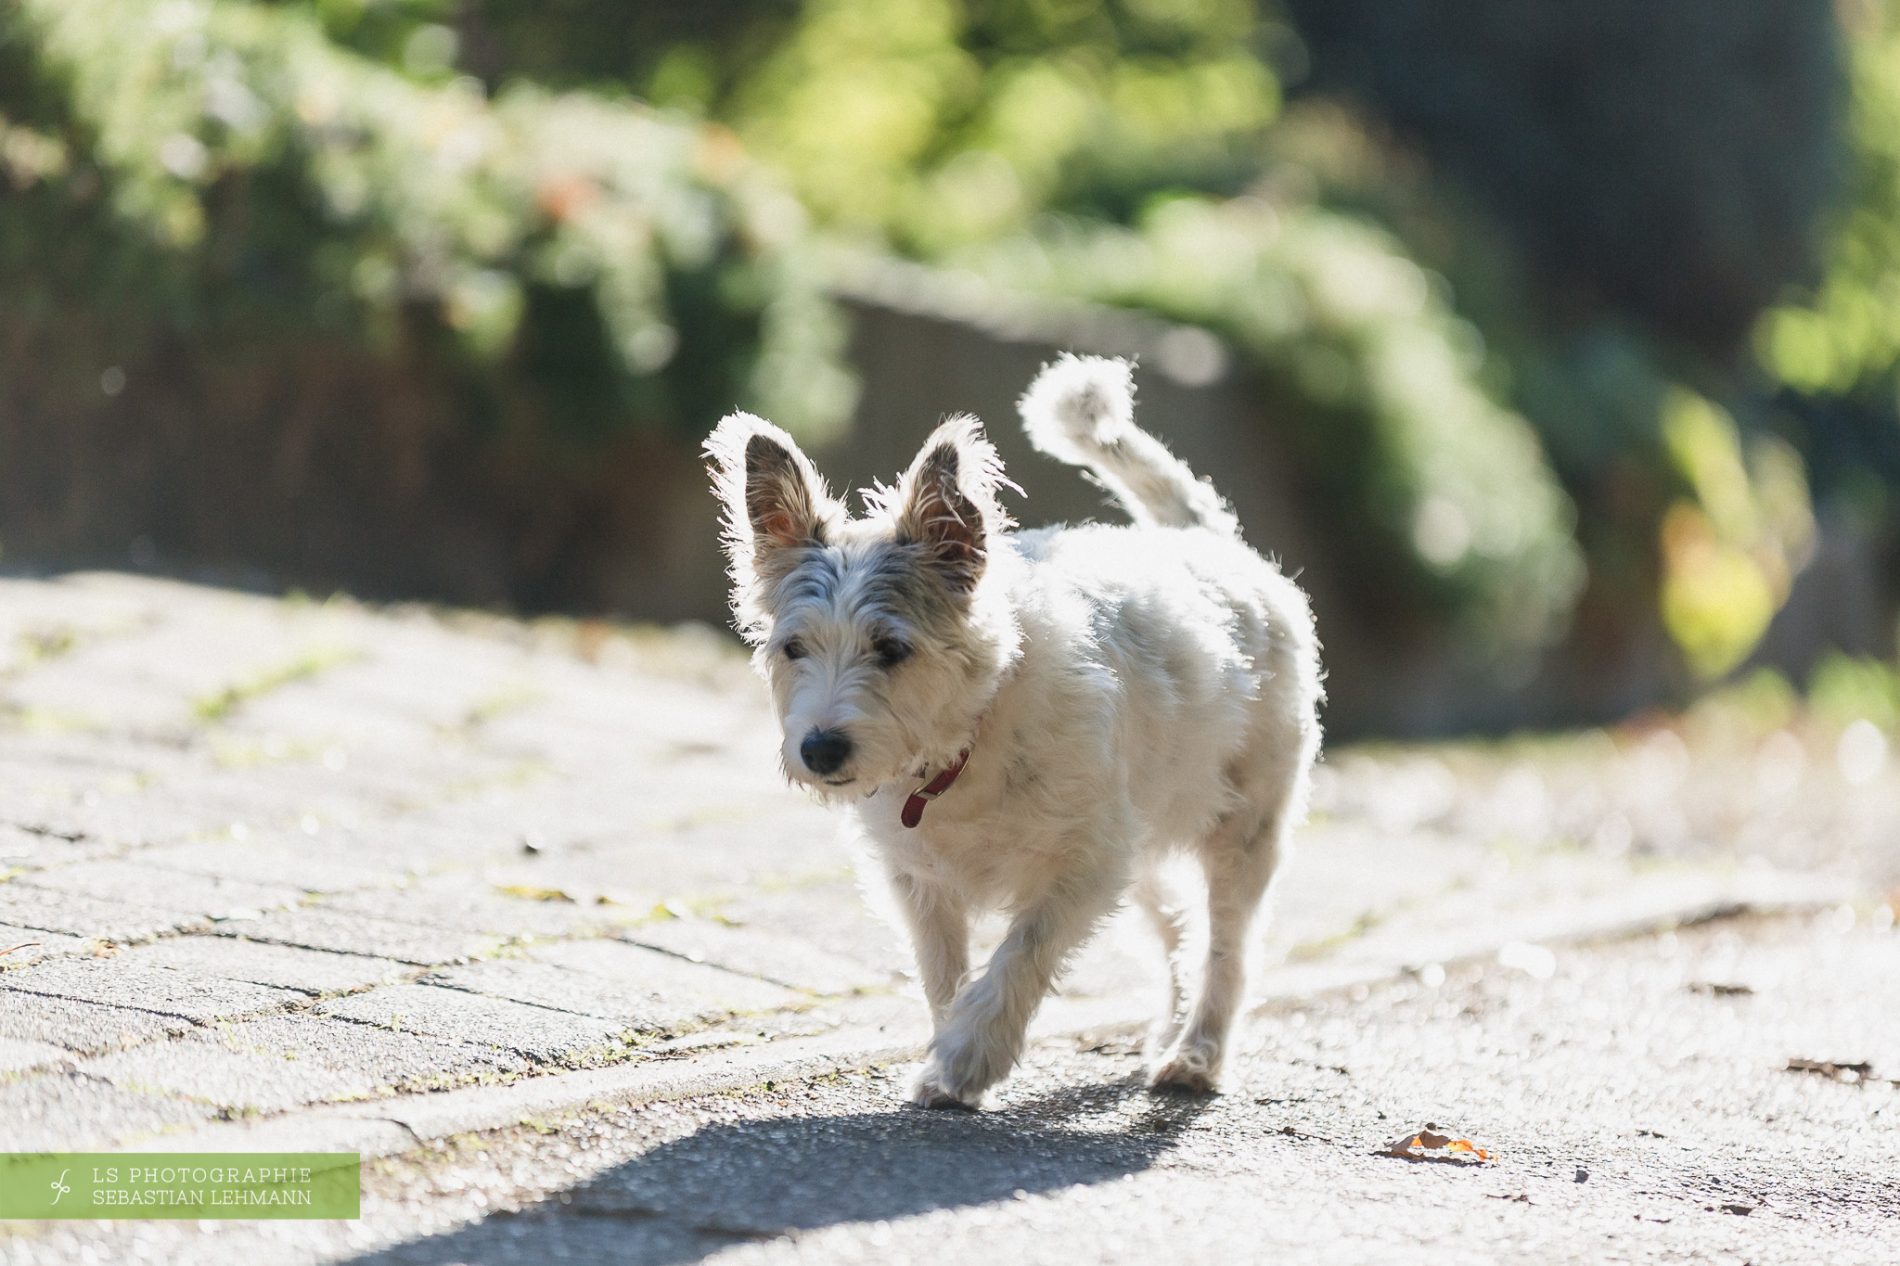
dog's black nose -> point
(825, 751)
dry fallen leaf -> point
(1428, 1145)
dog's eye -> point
(793, 649)
(890, 651)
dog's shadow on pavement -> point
(734, 1182)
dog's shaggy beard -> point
(886, 654)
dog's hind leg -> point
(1152, 893)
(1240, 857)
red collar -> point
(914, 807)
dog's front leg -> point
(981, 1038)
(940, 934)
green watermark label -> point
(250, 1185)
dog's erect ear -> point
(947, 501)
(772, 497)
(772, 494)
(782, 494)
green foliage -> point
(1747, 709)
(461, 189)
(1096, 151)
(1841, 691)
(1837, 351)
(223, 169)
(1844, 689)
(1690, 514)
(412, 35)
(1847, 338)
(1728, 542)
(676, 54)
(1140, 155)
(938, 123)
(1376, 381)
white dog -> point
(1032, 722)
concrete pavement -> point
(289, 874)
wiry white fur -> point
(981, 477)
(725, 451)
(1125, 693)
(1081, 410)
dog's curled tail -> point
(1081, 410)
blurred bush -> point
(1115, 152)
(1836, 351)
(1456, 518)
(1490, 271)
(1845, 690)
(344, 318)
(224, 171)
(1461, 350)
(938, 123)
(1690, 515)
(1846, 337)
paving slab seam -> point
(124, 1006)
(415, 973)
(366, 1127)
(729, 970)
(810, 1000)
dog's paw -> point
(1194, 1069)
(929, 1092)
(959, 1066)
(1180, 1075)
